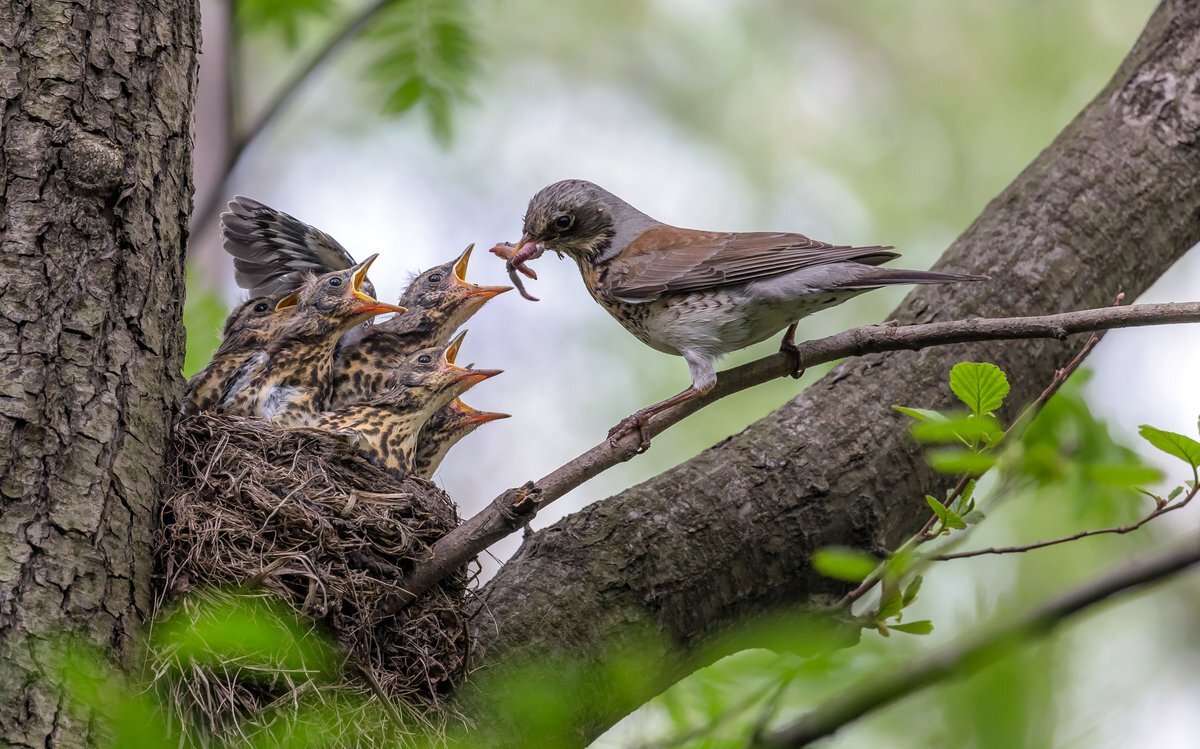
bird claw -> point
(788, 346)
(639, 421)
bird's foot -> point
(639, 421)
(788, 346)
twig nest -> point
(295, 515)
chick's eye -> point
(435, 278)
(335, 281)
(424, 358)
(563, 222)
(261, 307)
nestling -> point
(445, 428)
(247, 329)
(697, 294)
(292, 377)
(386, 428)
(439, 301)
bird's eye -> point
(335, 281)
(261, 307)
(435, 278)
(563, 222)
(424, 358)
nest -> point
(296, 517)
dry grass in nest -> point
(296, 516)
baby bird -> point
(439, 301)
(247, 329)
(385, 429)
(273, 252)
(445, 428)
(292, 377)
(692, 293)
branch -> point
(207, 215)
(1159, 511)
(974, 653)
(502, 516)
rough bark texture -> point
(95, 153)
(1109, 206)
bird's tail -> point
(894, 276)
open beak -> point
(455, 345)
(460, 278)
(472, 376)
(472, 416)
(366, 302)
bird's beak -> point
(473, 416)
(455, 345)
(524, 251)
(460, 278)
(472, 376)
(366, 302)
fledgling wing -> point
(666, 260)
(273, 251)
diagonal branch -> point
(974, 653)
(514, 508)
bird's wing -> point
(273, 251)
(241, 378)
(666, 260)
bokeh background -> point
(866, 122)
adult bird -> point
(448, 425)
(293, 375)
(697, 294)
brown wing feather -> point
(667, 260)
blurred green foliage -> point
(204, 318)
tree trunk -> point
(729, 534)
(95, 153)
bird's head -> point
(444, 292)
(572, 217)
(253, 322)
(334, 302)
(432, 379)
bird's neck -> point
(419, 327)
(628, 223)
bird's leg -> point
(789, 347)
(640, 420)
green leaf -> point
(914, 587)
(980, 385)
(948, 517)
(922, 627)
(920, 414)
(1175, 493)
(960, 461)
(428, 56)
(1184, 448)
(844, 563)
(969, 429)
(1122, 474)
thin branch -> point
(923, 535)
(976, 652)
(207, 215)
(1117, 529)
(515, 508)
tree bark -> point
(95, 153)
(728, 535)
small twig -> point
(979, 650)
(1117, 529)
(1026, 416)
(207, 215)
(495, 521)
